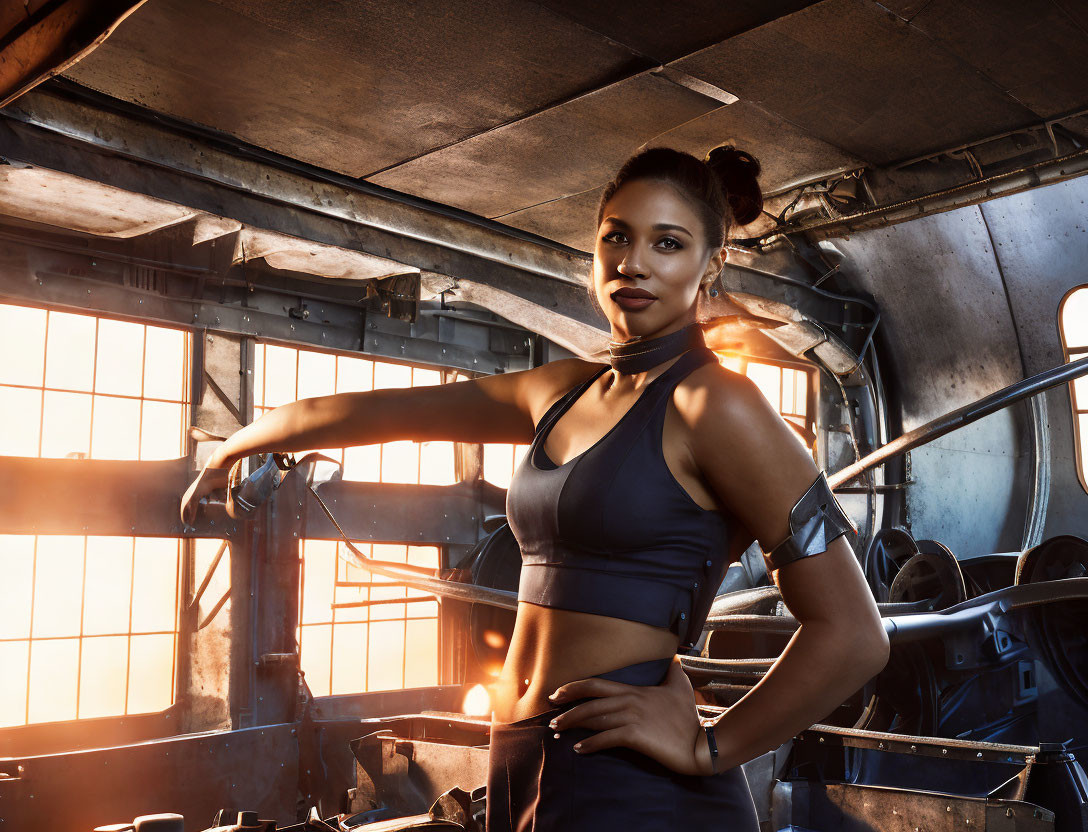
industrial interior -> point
(211, 208)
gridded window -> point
(88, 387)
(88, 626)
(359, 645)
(285, 374)
(1073, 324)
(501, 459)
(786, 388)
(359, 631)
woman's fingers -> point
(209, 480)
(623, 736)
(593, 686)
(596, 715)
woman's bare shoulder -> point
(554, 379)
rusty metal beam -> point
(105, 497)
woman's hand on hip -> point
(660, 721)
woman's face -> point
(650, 239)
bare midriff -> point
(551, 647)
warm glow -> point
(495, 639)
(477, 701)
(88, 387)
(354, 649)
(1074, 332)
(285, 374)
(88, 625)
(786, 388)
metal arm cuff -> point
(815, 520)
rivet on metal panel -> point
(913, 749)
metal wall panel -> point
(1041, 240)
(952, 341)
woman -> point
(644, 478)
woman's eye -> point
(675, 244)
(611, 236)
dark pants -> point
(537, 783)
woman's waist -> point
(551, 647)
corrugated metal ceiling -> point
(522, 110)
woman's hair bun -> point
(738, 172)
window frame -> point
(1071, 354)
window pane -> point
(20, 421)
(279, 375)
(388, 375)
(120, 358)
(1080, 391)
(498, 463)
(354, 375)
(166, 349)
(349, 658)
(54, 675)
(768, 379)
(258, 377)
(151, 674)
(69, 355)
(115, 432)
(316, 374)
(422, 665)
(13, 678)
(58, 586)
(436, 463)
(1075, 318)
(22, 345)
(108, 586)
(400, 461)
(363, 463)
(154, 584)
(16, 586)
(66, 425)
(316, 646)
(103, 670)
(161, 435)
(385, 655)
(319, 559)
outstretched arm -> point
(758, 469)
(496, 408)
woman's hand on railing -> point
(210, 479)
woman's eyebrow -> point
(661, 226)
(667, 226)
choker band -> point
(638, 356)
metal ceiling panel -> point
(571, 220)
(565, 150)
(784, 152)
(665, 32)
(862, 79)
(1034, 52)
(351, 86)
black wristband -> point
(712, 744)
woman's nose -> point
(631, 266)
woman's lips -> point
(632, 303)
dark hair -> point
(722, 189)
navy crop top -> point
(611, 531)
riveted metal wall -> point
(1041, 240)
(952, 339)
